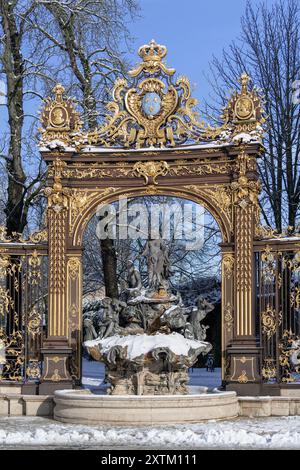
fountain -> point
(148, 340)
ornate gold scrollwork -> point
(289, 349)
(268, 321)
(228, 264)
(243, 379)
(220, 196)
(245, 110)
(198, 167)
(74, 265)
(268, 265)
(33, 370)
(228, 317)
(295, 297)
(34, 275)
(34, 322)
(13, 359)
(151, 170)
(36, 237)
(153, 110)
(268, 370)
(245, 191)
(6, 301)
(57, 195)
(59, 118)
(4, 264)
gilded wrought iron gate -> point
(278, 310)
(23, 311)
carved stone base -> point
(56, 352)
(149, 380)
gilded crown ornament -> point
(153, 109)
(152, 55)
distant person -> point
(210, 363)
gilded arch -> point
(216, 201)
(153, 143)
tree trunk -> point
(14, 69)
(80, 65)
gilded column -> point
(228, 263)
(56, 349)
(57, 325)
(243, 353)
(244, 270)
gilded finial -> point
(244, 80)
(58, 91)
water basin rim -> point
(82, 395)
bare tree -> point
(269, 51)
(43, 41)
(14, 67)
(87, 35)
(188, 266)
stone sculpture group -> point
(148, 339)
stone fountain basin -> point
(84, 407)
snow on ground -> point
(241, 433)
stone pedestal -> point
(56, 353)
(243, 372)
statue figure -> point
(134, 280)
(174, 318)
(89, 332)
(196, 315)
(158, 264)
(110, 319)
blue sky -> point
(192, 30)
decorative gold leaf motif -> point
(59, 118)
(34, 322)
(243, 379)
(153, 110)
(228, 264)
(289, 356)
(74, 267)
(228, 317)
(33, 370)
(268, 321)
(151, 170)
(56, 377)
(34, 275)
(268, 370)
